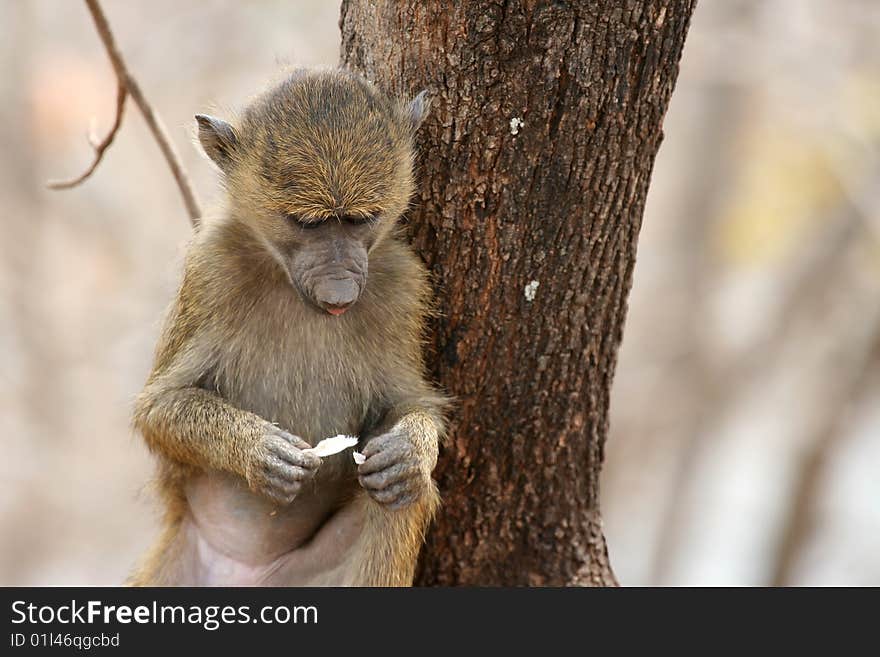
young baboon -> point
(300, 317)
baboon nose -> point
(336, 296)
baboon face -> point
(329, 263)
(320, 167)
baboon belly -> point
(233, 537)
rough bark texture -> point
(530, 233)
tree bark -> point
(536, 158)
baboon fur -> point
(248, 359)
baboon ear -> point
(218, 139)
(417, 109)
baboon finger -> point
(290, 454)
(285, 486)
(385, 478)
(391, 494)
(286, 472)
(380, 443)
(403, 501)
(294, 440)
(379, 461)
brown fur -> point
(242, 351)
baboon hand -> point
(395, 474)
(278, 466)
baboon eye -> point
(308, 224)
(360, 219)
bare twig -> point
(129, 86)
(722, 393)
(826, 441)
(100, 147)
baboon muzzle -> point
(336, 295)
(330, 274)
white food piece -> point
(333, 445)
(358, 457)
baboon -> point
(299, 317)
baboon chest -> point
(290, 370)
(302, 372)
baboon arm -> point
(423, 429)
(177, 414)
(197, 427)
(395, 526)
(420, 418)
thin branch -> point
(127, 85)
(722, 393)
(826, 441)
(100, 147)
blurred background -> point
(745, 429)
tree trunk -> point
(536, 157)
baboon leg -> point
(390, 543)
(163, 564)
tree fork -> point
(546, 118)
